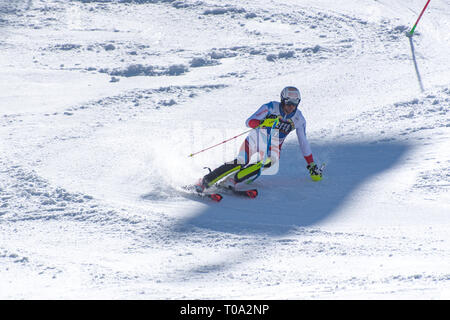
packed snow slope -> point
(101, 102)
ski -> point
(251, 193)
(216, 197)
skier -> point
(272, 120)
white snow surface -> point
(101, 102)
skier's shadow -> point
(290, 200)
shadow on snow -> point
(290, 200)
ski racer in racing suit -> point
(272, 122)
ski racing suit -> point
(263, 142)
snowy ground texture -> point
(101, 101)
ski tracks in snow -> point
(53, 233)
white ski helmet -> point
(290, 95)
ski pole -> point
(410, 34)
(193, 154)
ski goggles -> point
(292, 101)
